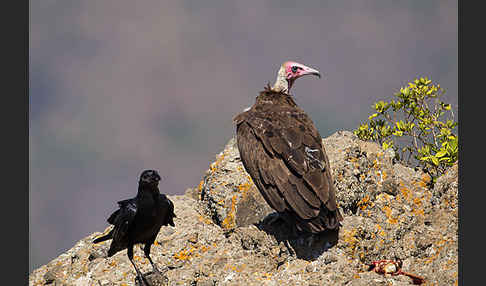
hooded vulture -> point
(282, 151)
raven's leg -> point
(140, 277)
(146, 250)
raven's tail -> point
(104, 237)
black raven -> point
(138, 220)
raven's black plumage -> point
(138, 220)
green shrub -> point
(415, 125)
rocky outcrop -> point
(223, 234)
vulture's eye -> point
(295, 68)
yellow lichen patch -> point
(449, 264)
(364, 202)
(235, 268)
(418, 212)
(267, 275)
(422, 184)
(156, 242)
(426, 178)
(244, 187)
(417, 201)
(339, 177)
(388, 213)
(383, 197)
(362, 177)
(112, 263)
(398, 199)
(380, 230)
(349, 237)
(229, 221)
(205, 248)
(200, 186)
(185, 254)
(204, 219)
(406, 193)
(353, 159)
(218, 161)
(376, 164)
(440, 245)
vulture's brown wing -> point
(282, 151)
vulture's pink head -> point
(290, 71)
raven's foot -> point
(140, 280)
(160, 272)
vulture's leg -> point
(140, 277)
(306, 239)
(290, 248)
(274, 217)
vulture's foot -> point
(306, 240)
(274, 218)
(292, 251)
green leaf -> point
(434, 160)
(441, 153)
(406, 91)
(372, 116)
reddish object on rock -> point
(394, 268)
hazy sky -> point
(117, 87)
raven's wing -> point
(282, 151)
(122, 220)
(167, 204)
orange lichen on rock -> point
(380, 230)
(388, 213)
(235, 268)
(200, 186)
(204, 219)
(349, 237)
(244, 187)
(405, 192)
(364, 203)
(216, 163)
(229, 221)
(185, 254)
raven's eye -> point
(295, 68)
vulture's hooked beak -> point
(310, 71)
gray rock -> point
(222, 235)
